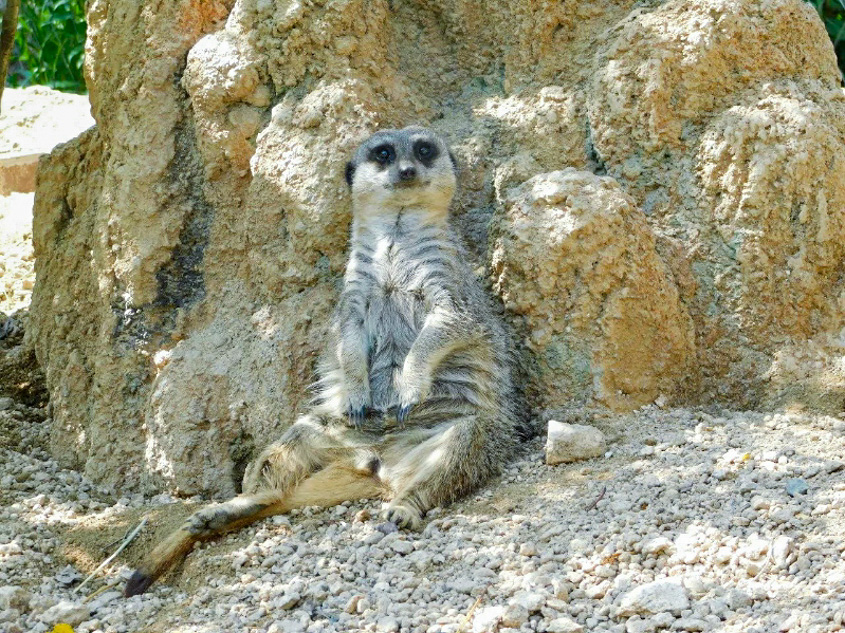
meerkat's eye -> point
(425, 150)
(383, 154)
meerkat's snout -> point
(407, 173)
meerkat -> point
(415, 400)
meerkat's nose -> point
(407, 172)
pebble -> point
(573, 442)
(288, 601)
(487, 618)
(528, 549)
(12, 597)
(515, 615)
(657, 545)
(66, 612)
(532, 601)
(68, 576)
(564, 625)
(388, 527)
(103, 599)
(352, 604)
(667, 595)
(402, 547)
(781, 549)
(795, 487)
(689, 624)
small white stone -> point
(689, 624)
(781, 549)
(387, 625)
(790, 623)
(463, 585)
(655, 597)
(531, 600)
(12, 597)
(288, 601)
(67, 612)
(738, 599)
(662, 620)
(102, 600)
(528, 549)
(352, 604)
(564, 625)
(657, 545)
(695, 585)
(572, 442)
(487, 619)
(515, 615)
(596, 592)
(402, 547)
(638, 625)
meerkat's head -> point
(408, 168)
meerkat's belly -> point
(395, 316)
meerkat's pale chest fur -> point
(414, 400)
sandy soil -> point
(17, 273)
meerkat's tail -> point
(330, 486)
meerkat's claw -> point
(403, 412)
(357, 416)
(403, 516)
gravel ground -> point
(693, 521)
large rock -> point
(576, 260)
(726, 123)
(189, 246)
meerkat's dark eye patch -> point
(383, 154)
(350, 172)
(426, 152)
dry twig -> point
(600, 497)
(126, 541)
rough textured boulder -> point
(654, 190)
(576, 260)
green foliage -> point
(50, 44)
(832, 13)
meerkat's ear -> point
(454, 161)
(350, 172)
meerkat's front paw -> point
(357, 407)
(409, 397)
(403, 515)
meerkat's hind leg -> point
(449, 463)
(202, 525)
(352, 475)
(304, 448)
